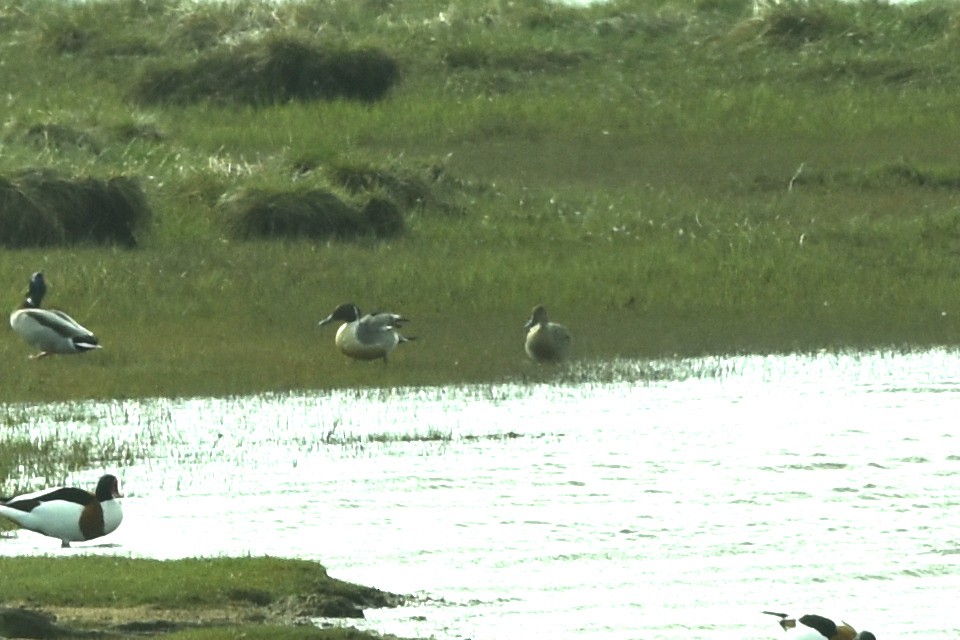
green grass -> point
(668, 178)
(168, 584)
(190, 585)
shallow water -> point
(654, 500)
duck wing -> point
(826, 626)
(382, 321)
(30, 501)
(68, 326)
(57, 322)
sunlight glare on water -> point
(626, 500)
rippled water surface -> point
(673, 500)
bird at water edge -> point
(69, 514)
(816, 627)
(366, 337)
(546, 341)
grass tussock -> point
(795, 23)
(314, 214)
(39, 208)
(274, 71)
(60, 137)
(417, 188)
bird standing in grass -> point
(546, 341)
(67, 513)
(49, 330)
(366, 337)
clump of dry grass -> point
(409, 189)
(428, 187)
(316, 214)
(273, 71)
(50, 135)
(41, 208)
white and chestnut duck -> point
(68, 513)
(814, 627)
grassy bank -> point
(668, 178)
(185, 599)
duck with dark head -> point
(49, 330)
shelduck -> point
(815, 627)
(68, 513)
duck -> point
(69, 514)
(546, 341)
(366, 337)
(50, 331)
(820, 628)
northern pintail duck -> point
(366, 337)
(49, 330)
(819, 628)
(546, 341)
(67, 513)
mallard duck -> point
(546, 341)
(819, 628)
(49, 330)
(366, 337)
(67, 513)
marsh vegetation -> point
(710, 178)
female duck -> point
(546, 341)
(67, 513)
(48, 330)
(366, 337)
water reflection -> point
(627, 499)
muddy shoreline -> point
(38, 621)
(34, 620)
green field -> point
(668, 178)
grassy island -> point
(183, 600)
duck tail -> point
(83, 344)
(785, 621)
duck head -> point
(108, 488)
(36, 290)
(347, 312)
(539, 316)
